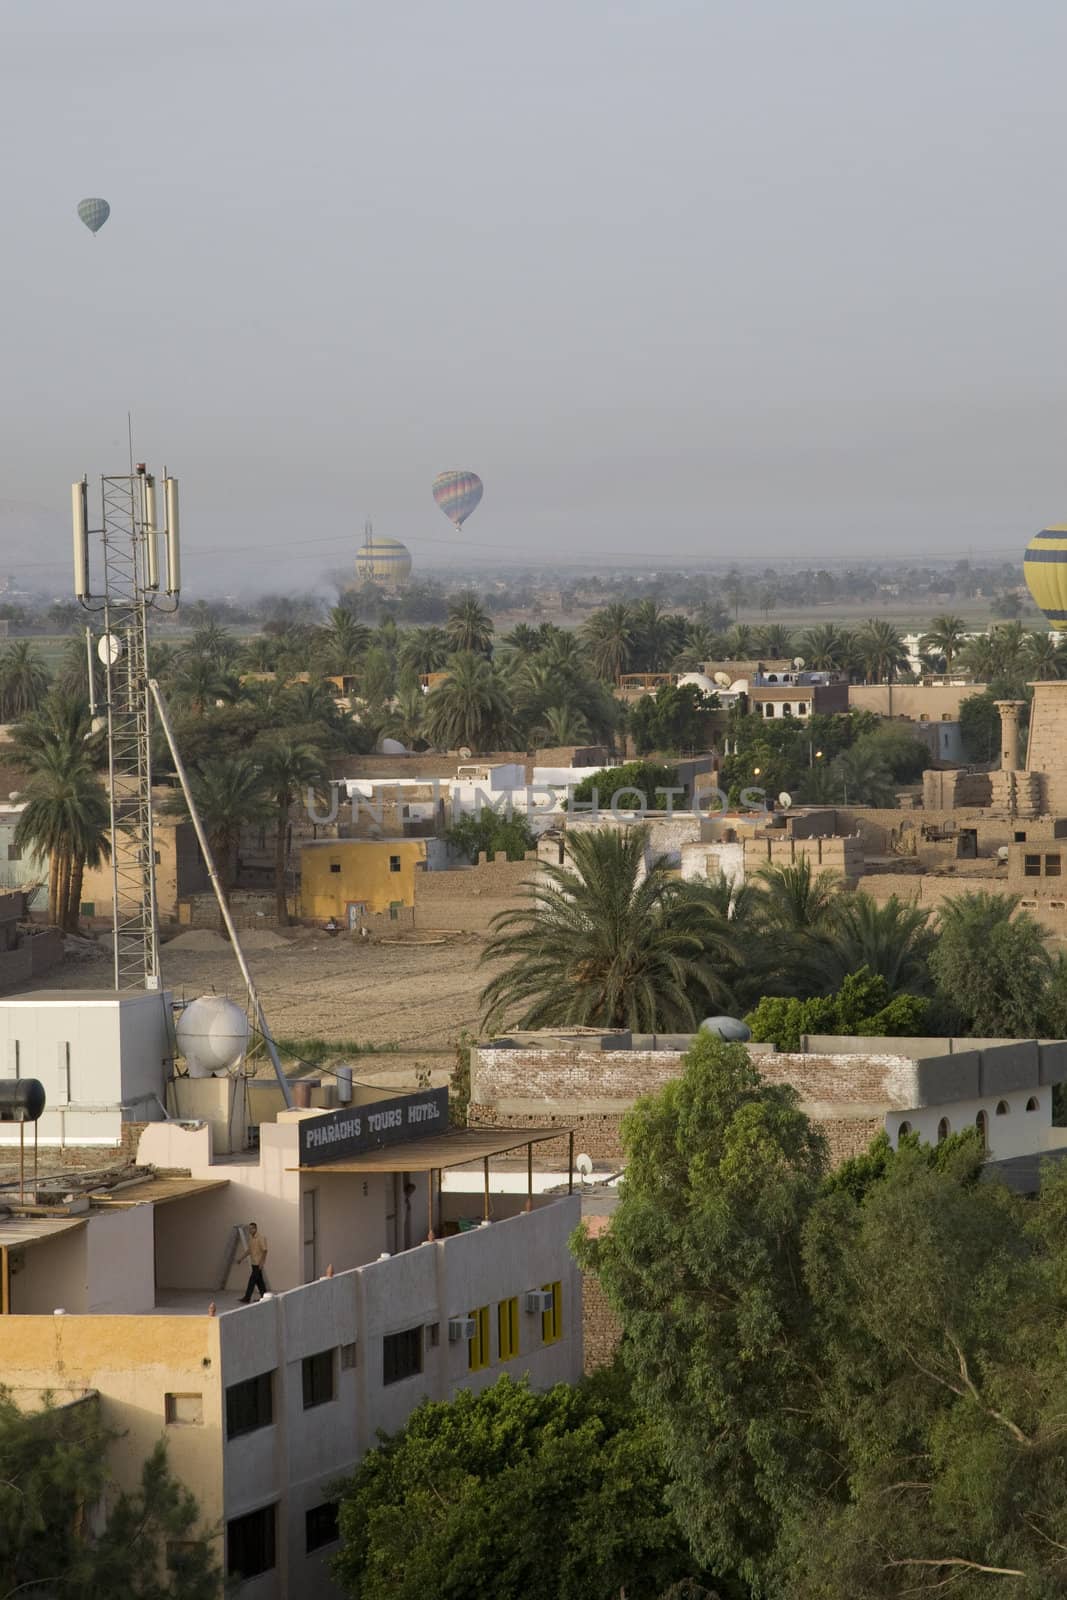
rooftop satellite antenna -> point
(722, 679)
(785, 799)
(583, 1165)
(798, 662)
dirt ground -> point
(406, 996)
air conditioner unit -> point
(539, 1301)
(461, 1328)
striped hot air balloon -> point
(458, 494)
(94, 213)
(1045, 570)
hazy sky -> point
(677, 279)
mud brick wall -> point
(467, 899)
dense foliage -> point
(859, 1381)
(862, 1006)
(53, 1540)
(511, 1494)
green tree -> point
(512, 1494)
(607, 940)
(469, 709)
(199, 682)
(469, 627)
(23, 680)
(289, 770)
(704, 1264)
(609, 639)
(893, 941)
(862, 777)
(677, 718)
(66, 814)
(342, 641)
(53, 1474)
(991, 965)
(230, 793)
(881, 651)
(862, 1006)
(490, 834)
(646, 777)
(945, 637)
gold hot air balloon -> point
(1045, 570)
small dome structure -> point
(383, 561)
(700, 680)
(212, 1035)
(730, 1028)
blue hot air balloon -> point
(94, 213)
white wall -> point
(1017, 1132)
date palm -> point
(562, 725)
(23, 680)
(422, 649)
(1045, 658)
(230, 793)
(66, 815)
(608, 637)
(822, 647)
(605, 941)
(469, 709)
(469, 626)
(945, 637)
(881, 651)
(289, 768)
(894, 941)
(342, 641)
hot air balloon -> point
(457, 493)
(94, 213)
(1045, 570)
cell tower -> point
(130, 532)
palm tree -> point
(881, 650)
(259, 654)
(469, 708)
(822, 647)
(469, 627)
(1045, 658)
(67, 814)
(605, 941)
(797, 900)
(214, 642)
(422, 650)
(893, 940)
(741, 642)
(523, 640)
(313, 707)
(73, 675)
(229, 793)
(23, 680)
(200, 682)
(289, 769)
(775, 640)
(405, 718)
(945, 637)
(608, 636)
(342, 641)
(562, 725)
(863, 778)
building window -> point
(250, 1544)
(13, 853)
(787, 710)
(1002, 1108)
(478, 1352)
(903, 1131)
(250, 1405)
(769, 712)
(394, 863)
(981, 1122)
(335, 866)
(1052, 866)
(320, 1526)
(348, 1357)
(1032, 866)
(401, 1355)
(185, 1409)
(318, 1379)
(552, 1320)
(1031, 1104)
(1020, 837)
(507, 1328)
(943, 1130)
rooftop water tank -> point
(730, 1028)
(212, 1035)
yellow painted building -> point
(348, 878)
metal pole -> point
(22, 1163)
(209, 862)
(570, 1162)
(429, 1195)
(485, 1202)
(529, 1177)
(92, 675)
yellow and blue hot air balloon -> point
(1045, 570)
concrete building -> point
(796, 692)
(384, 1291)
(25, 952)
(920, 702)
(347, 879)
(20, 869)
(180, 869)
(852, 1089)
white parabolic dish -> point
(212, 1035)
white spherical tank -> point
(212, 1035)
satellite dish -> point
(464, 754)
(798, 662)
(729, 1028)
(109, 648)
(722, 679)
(739, 686)
(392, 747)
(98, 725)
(1002, 852)
(584, 1165)
(785, 799)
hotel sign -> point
(352, 1131)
